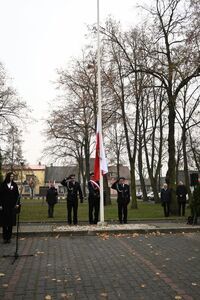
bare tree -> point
(12, 108)
(153, 121)
(187, 113)
(115, 143)
(12, 155)
(195, 149)
(13, 113)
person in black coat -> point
(9, 205)
(73, 189)
(181, 192)
(93, 199)
(165, 199)
(123, 198)
(52, 199)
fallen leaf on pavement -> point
(2, 274)
(40, 252)
(104, 295)
(78, 279)
(135, 235)
(48, 297)
(104, 236)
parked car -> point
(139, 195)
(150, 196)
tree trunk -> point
(107, 199)
(185, 162)
(140, 167)
(133, 186)
(171, 173)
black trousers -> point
(181, 208)
(7, 232)
(50, 210)
(72, 205)
(122, 212)
(94, 204)
(166, 208)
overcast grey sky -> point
(39, 36)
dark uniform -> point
(73, 189)
(93, 200)
(181, 192)
(52, 199)
(195, 204)
(9, 199)
(123, 198)
(166, 199)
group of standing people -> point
(74, 190)
(123, 198)
(181, 193)
(10, 200)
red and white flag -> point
(99, 149)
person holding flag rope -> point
(93, 199)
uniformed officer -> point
(93, 199)
(73, 190)
(123, 198)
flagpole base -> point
(101, 223)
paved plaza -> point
(102, 266)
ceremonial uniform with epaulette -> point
(123, 198)
(93, 199)
(73, 190)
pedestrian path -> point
(102, 266)
(84, 229)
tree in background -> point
(145, 72)
(12, 155)
(13, 114)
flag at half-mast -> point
(99, 149)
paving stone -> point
(94, 267)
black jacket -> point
(165, 195)
(181, 192)
(52, 196)
(123, 192)
(73, 189)
(9, 198)
(94, 191)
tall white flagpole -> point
(99, 119)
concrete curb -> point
(52, 230)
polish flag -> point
(104, 167)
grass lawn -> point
(36, 210)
